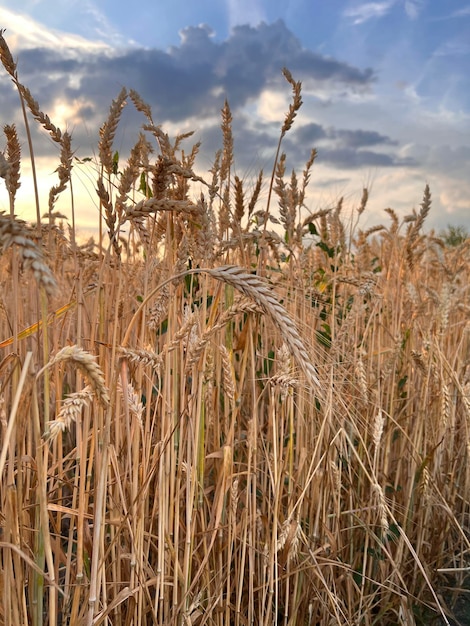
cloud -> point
(413, 8)
(348, 158)
(23, 32)
(188, 80)
(463, 12)
(361, 138)
(368, 10)
(75, 81)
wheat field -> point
(224, 408)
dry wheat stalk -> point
(284, 377)
(143, 357)
(69, 413)
(227, 154)
(228, 375)
(43, 119)
(141, 105)
(13, 158)
(255, 288)
(63, 171)
(13, 232)
(153, 205)
(133, 401)
(239, 205)
(87, 364)
(296, 102)
(240, 306)
(6, 57)
(415, 227)
(108, 131)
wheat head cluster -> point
(225, 408)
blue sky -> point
(385, 87)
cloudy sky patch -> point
(385, 86)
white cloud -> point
(369, 10)
(272, 105)
(461, 12)
(23, 32)
(366, 11)
(413, 8)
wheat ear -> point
(13, 232)
(258, 290)
(87, 364)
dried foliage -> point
(225, 414)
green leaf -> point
(115, 162)
(312, 229)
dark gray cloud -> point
(192, 78)
(349, 158)
(255, 146)
(191, 81)
(361, 138)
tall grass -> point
(208, 418)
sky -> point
(385, 87)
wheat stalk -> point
(13, 232)
(257, 289)
(87, 364)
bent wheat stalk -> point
(258, 290)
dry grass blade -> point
(226, 481)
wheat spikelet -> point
(361, 376)
(69, 412)
(240, 306)
(306, 176)
(153, 205)
(255, 288)
(43, 119)
(138, 154)
(87, 365)
(415, 227)
(228, 375)
(239, 205)
(162, 139)
(108, 131)
(382, 506)
(133, 401)
(296, 102)
(234, 497)
(445, 307)
(12, 163)
(63, 171)
(255, 194)
(227, 154)
(378, 429)
(159, 308)
(141, 105)
(284, 377)
(12, 232)
(143, 357)
(6, 57)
